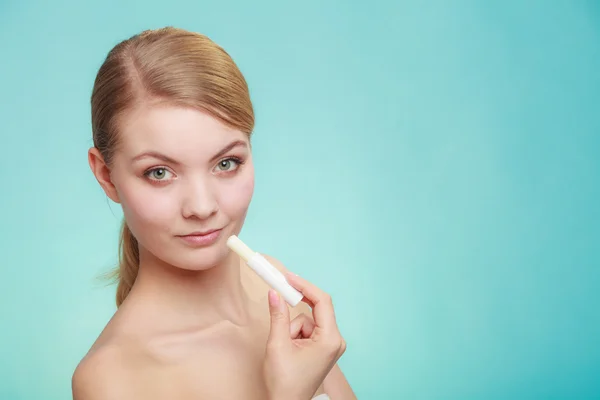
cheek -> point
(146, 207)
(235, 199)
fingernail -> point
(273, 298)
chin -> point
(197, 259)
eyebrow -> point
(167, 159)
(228, 148)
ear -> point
(102, 173)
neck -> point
(185, 298)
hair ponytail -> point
(129, 263)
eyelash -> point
(235, 159)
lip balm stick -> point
(265, 270)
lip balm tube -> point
(265, 270)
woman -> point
(172, 120)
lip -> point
(199, 233)
(201, 239)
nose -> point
(199, 200)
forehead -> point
(176, 130)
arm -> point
(336, 386)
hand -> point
(301, 353)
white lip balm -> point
(265, 270)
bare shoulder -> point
(101, 374)
(276, 263)
(124, 369)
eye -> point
(228, 164)
(157, 174)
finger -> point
(307, 301)
(322, 307)
(301, 327)
(280, 319)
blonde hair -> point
(167, 65)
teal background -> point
(434, 166)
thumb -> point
(280, 319)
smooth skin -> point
(199, 323)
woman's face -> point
(178, 174)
